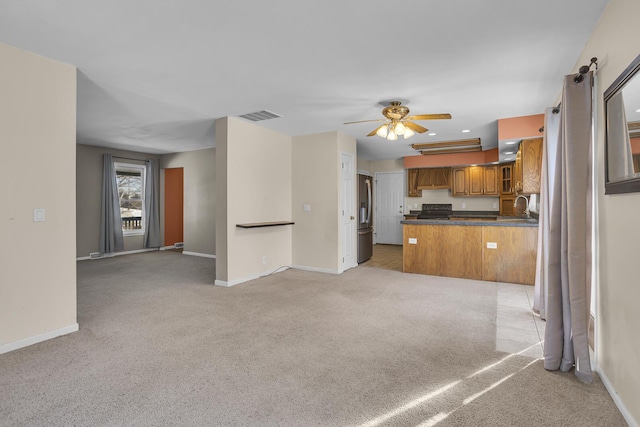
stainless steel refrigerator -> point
(365, 218)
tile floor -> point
(518, 328)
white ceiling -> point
(154, 75)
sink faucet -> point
(526, 201)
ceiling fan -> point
(399, 123)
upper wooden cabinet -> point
(475, 181)
(528, 166)
(419, 179)
(434, 178)
(506, 179)
(460, 182)
(412, 183)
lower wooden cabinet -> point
(493, 253)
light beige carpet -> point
(160, 345)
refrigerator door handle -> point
(368, 182)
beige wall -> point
(256, 187)
(37, 170)
(315, 172)
(317, 181)
(615, 43)
(199, 198)
(89, 193)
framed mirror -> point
(622, 132)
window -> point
(130, 179)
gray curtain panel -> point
(549, 152)
(152, 238)
(110, 238)
(569, 269)
(620, 158)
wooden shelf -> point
(264, 224)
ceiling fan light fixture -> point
(400, 129)
(408, 133)
(392, 136)
(382, 132)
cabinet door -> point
(506, 178)
(506, 205)
(531, 153)
(412, 183)
(517, 172)
(476, 179)
(442, 178)
(490, 180)
(460, 181)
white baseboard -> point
(235, 282)
(198, 254)
(25, 342)
(314, 269)
(166, 248)
(112, 254)
(616, 399)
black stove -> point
(435, 211)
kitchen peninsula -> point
(501, 250)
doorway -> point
(389, 205)
(173, 206)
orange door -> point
(173, 205)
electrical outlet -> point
(492, 245)
(264, 259)
(495, 205)
(464, 206)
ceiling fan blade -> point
(365, 121)
(415, 127)
(429, 117)
(373, 132)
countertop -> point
(520, 222)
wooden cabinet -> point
(528, 166)
(475, 181)
(506, 179)
(460, 181)
(490, 180)
(419, 179)
(463, 251)
(412, 183)
(506, 205)
(434, 178)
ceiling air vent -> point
(260, 115)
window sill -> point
(133, 233)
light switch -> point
(38, 215)
(306, 207)
(492, 245)
(413, 241)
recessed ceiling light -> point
(638, 110)
(510, 142)
(431, 134)
(466, 131)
